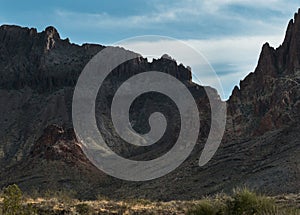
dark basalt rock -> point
(39, 149)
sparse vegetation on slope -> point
(241, 202)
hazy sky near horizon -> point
(228, 33)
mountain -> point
(268, 98)
(39, 149)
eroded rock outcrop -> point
(268, 98)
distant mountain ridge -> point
(38, 148)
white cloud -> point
(213, 6)
(234, 42)
(189, 12)
(106, 20)
(234, 49)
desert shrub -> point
(280, 211)
(205, 207)
(101, 197)
(213, 206)
(245, 201)
(83, 209)
(65, 196)
(29, 209)
(12, 200)
(242, 202)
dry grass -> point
(242, 201)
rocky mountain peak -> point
(266, 98)
(11, 34)
(52, 36)
(288, 55)
(168, 57)
(267, 61)
(285, 59)
(52, 31)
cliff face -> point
(41, 61)
(38, 148)
(268, 99)
(38, 74)
(46, 62)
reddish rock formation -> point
(59, 144)
(266, 98)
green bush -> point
(242, 202)
(12, 199)
(12, 202)
(246, 202)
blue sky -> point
(229, 33)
